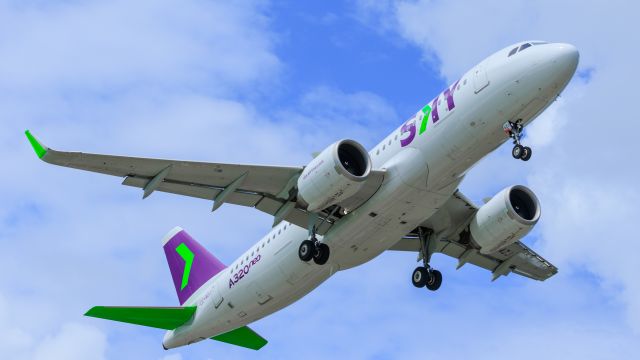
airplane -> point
(348, 206)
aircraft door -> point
(480, 79)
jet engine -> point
(337, 173)
(505, 219)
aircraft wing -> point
(451, 220)
(270, 189)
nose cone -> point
(565, 59)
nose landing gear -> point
(514, 131)
(426, 276)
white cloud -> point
(108, 47)
(74, 341)
(172, 357)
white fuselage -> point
(421, 176)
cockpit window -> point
(524, 46)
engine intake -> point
(505, 219)
(336, 174)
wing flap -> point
(168, 318)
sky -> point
(270, 83)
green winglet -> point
(244, 337)
(40, 149)
(168, 318)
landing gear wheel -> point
(420, 277)
(526, 154)
(517, 151)
(306, 250)
(321, 254)
(435, 280)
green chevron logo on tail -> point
(187, 255)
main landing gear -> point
(426, 276)
(313, 249)
(514, 131)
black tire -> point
(321, 255)
(517, 151)
(306, 250)
(526, 154)
(420, 277)
(435, 280)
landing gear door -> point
(480, 79)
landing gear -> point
(321, 255)
(435, 280)
(306, 250)
(313, 249)
(420, 277)
(426, 276)
(514, 131)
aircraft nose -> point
(565, 58)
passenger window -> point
(395, 138)
(378, 152)
(524, 46)
(279, 232)
(384, 147)
(263, 245)
(389, 142)
(513, 51)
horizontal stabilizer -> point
(168, 318)
(244, 337)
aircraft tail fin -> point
(190, 263)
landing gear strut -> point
(514, 131)
(426, 276)
(313, 249)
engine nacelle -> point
(333, 176)
(505, 219)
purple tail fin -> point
(190, 263)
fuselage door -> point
(480, 79)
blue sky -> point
(272, 82)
